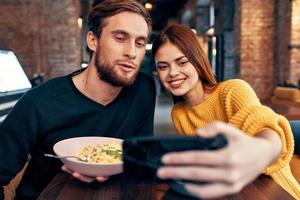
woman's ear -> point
(91, 41)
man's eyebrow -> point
(119, 32)
(127, 34)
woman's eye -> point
(182, 63)
(162, 67)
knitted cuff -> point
(254, 118)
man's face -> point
(121, 48)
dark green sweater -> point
(56, 110)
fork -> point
(56, 156)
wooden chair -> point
(295, 125)
(10, 189)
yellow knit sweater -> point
(235, 102)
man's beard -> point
(109, 74)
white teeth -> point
(176, 82)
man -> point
(106, 99)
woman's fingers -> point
(196, 157)
(227, 170)
(216, 128)
(196, 173)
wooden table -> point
(64, 187)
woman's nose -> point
(174, 70)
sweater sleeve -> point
(245, 112)
(17, 136)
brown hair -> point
(186, 41)
(108, 8)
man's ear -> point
(91, 41)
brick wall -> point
(294, 75)
(267, 43)
(255, 44)
(44, 34)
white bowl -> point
(69, 147)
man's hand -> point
(227, 170)
(84, 178)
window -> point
(12, 75)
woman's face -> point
(175, 71)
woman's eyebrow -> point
(178, 59)
(162, 62)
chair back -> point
(295, 125)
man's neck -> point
(96, 89)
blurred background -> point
(255, 40)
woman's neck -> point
(196, 95)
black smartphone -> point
(142, 155)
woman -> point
(259, 139)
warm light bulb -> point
(148, 6)
(214, 52)
(79, 21)
(210, 31)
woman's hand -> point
(84, 178)
(227, 170)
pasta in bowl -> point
(102, 155)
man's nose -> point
(130, 50)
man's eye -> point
(120, 39)
(141, 44)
